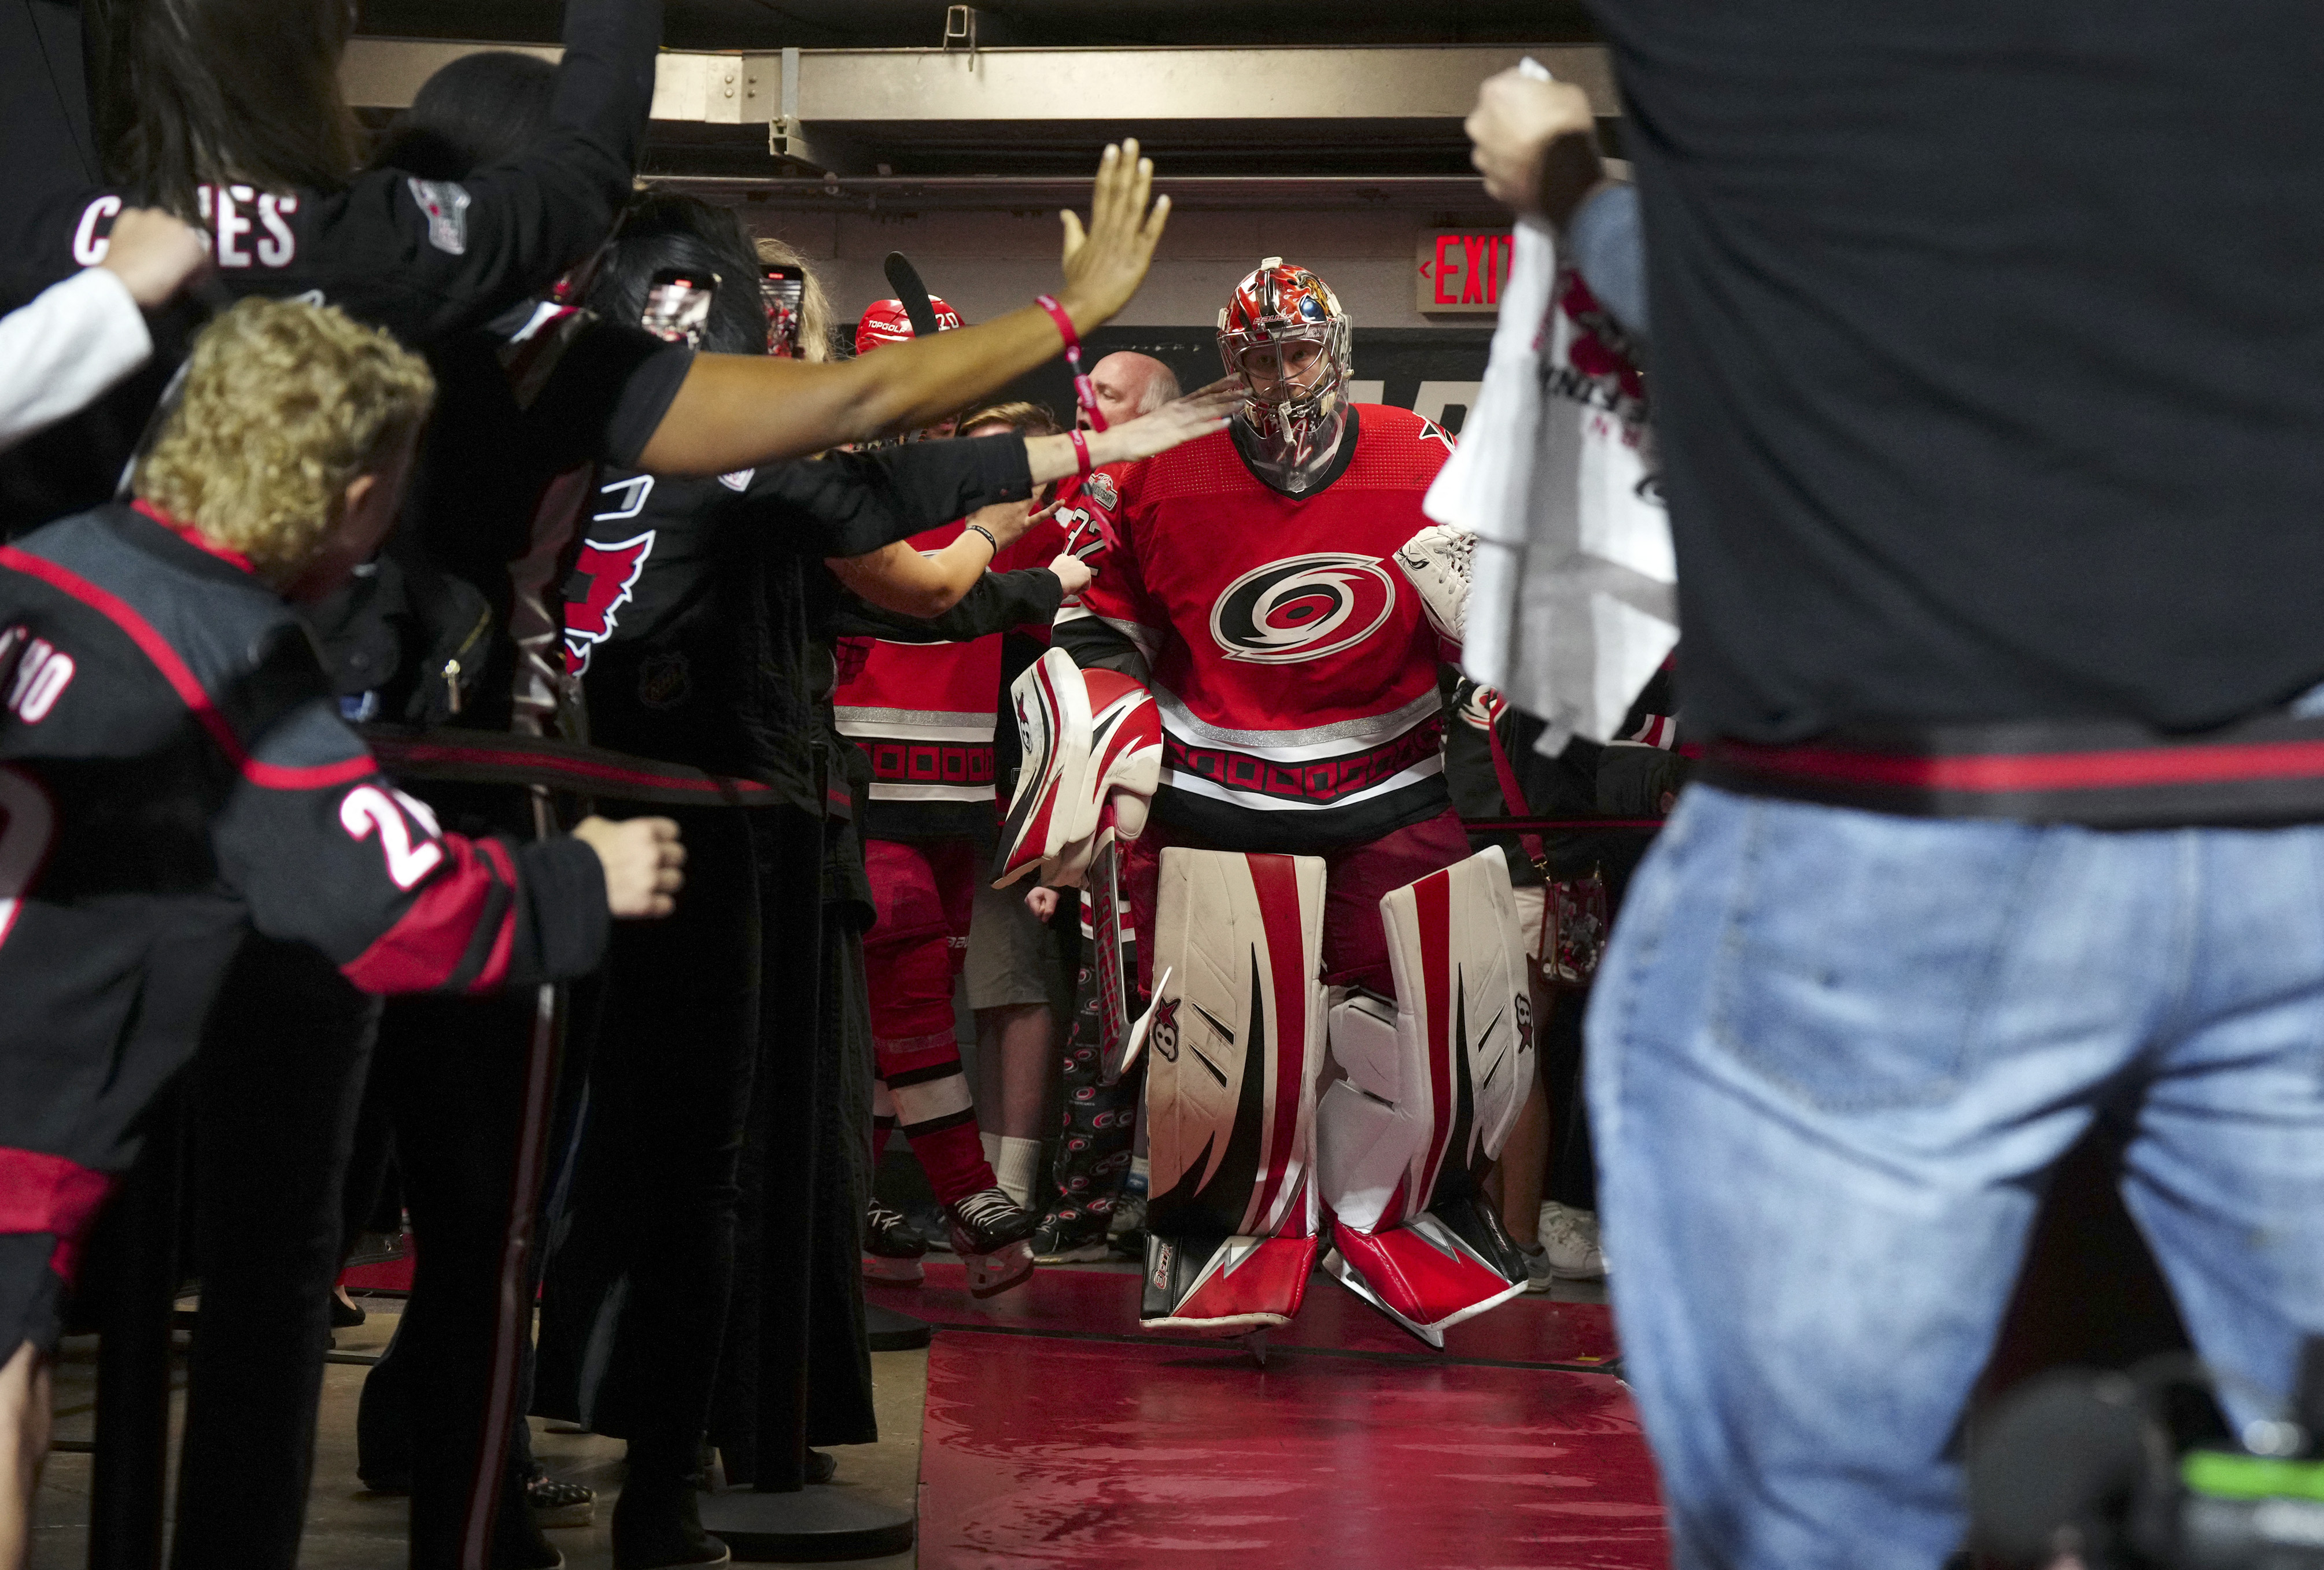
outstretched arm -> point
(736, 411)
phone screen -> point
(677, 305)
(784, 289)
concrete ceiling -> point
(920, 24)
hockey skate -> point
(892, 1247)
(994, 1237)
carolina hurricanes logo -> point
(612, 571)
(1483, 709)
(1303, 608)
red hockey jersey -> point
(926, 711)
(1293, 666)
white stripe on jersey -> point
(913, 724)
(1298, 745)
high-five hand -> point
(1105, 262)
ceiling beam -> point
(840, 87)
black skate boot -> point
(892, 1247)
(1069, 1235)
(993, 1235)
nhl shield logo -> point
(445, 204)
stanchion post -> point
(134, 1281)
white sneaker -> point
(1569, 1238)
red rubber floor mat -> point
(1101, 1454)
(1525, 1330)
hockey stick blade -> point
(905, 279)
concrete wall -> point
(985, 263)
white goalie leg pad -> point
(1093, 746)
(1234, 1048)
(1434, 1084)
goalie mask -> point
(1285, 334)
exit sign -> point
(1462, 270)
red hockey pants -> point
(923, 892)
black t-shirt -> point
(1988, 354)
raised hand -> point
(1106, 262)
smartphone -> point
(784, 289)
(678, 304)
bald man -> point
(1128, 385)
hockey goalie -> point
(1266, 630)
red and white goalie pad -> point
(1435, 1082)
(1236, 1044)
(1092, 746)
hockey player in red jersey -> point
(174, 772)
(1279, 592)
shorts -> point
(32, 1293)
(1012, 954)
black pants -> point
(645, 1253)
(796, 1369)
(275, 1089)
(470, 1085)
(1573, 1160)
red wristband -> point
(1082, 452)
(1083, 393)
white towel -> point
(1573, 605)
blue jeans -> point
(1833, 1056)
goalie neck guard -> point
(1293, 420)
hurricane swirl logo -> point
(1303, 608)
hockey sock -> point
(924, 1077)
(1019, 1163)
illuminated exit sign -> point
(1462, 270)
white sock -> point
(1019, 1160)
(992, 1142)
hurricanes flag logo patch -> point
(1303, 608)
(602, 582)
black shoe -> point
(822, 1466)
(658, 1526)
(892, 1247)
(559, 1503)
(345, 1315)
(1070, 1236)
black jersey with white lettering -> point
(425, 259)
(172, 774)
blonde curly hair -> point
(284, 405)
